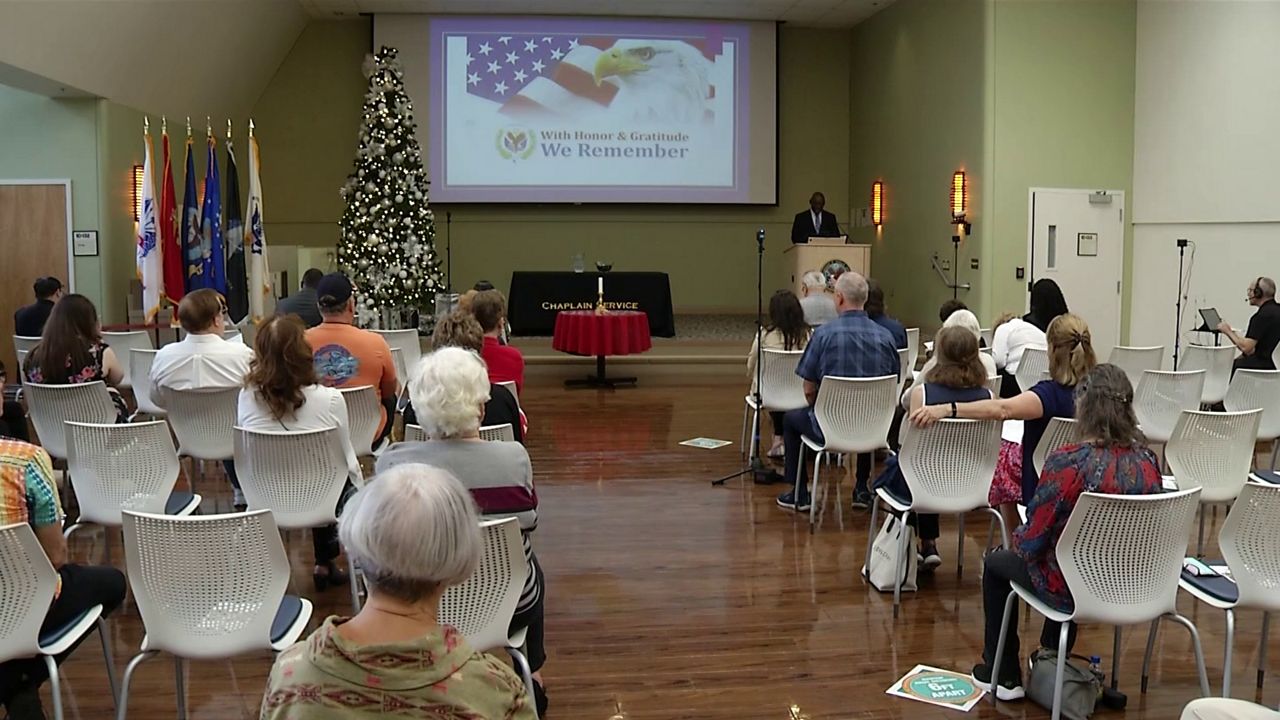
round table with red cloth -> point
(583, 332)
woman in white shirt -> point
(1011, 336)
(282, 393)
(787, 330)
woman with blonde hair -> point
(1071, 357)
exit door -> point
(1077, 240)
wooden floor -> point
(669, 598)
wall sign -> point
(84, 243)
(1087, 244)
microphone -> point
(760, 237)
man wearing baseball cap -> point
(345, 355)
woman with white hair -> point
(414, 532)
(449, 389)
(961, 318)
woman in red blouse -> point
(1111, 458)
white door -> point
(1077, 240)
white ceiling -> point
(811, 13)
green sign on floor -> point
(938, 687)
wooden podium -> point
(818, 253)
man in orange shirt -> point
(345, 355)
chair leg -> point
(1226, 653)
(522, 666)
(1115, 660)
(900, 564)
(1262, 648)
(105, 635)
(839, 503)
(1004, 631)
(55, 686)
(1195, 641)
(959, 545)
(122, 708)
(354, 583)
(1200, 537)
(746, 410)
(814, 501)
(871, 534)
(1146, 658)
(180, 682)
(1275, 448)
(1060, 673)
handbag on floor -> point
(884, 572)
(1081, 685)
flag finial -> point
(250, 127)
(208, 126)
(164, 125)
(146, 124)
(228, 129)
(188, 127)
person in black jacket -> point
(814, 222)
(303, 303)
(29, 320)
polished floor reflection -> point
(668, 598)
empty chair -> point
(414, 433)
(1212, 451)
(1250, 546)
(854, 415)
(1120, 556)
(781, 390)
(987, 336)
(904, 371)
(1160, 398)
(948, 466)
(26, 594)
(140, 362)
(204, 423)
(406, 341)
(51, 405)
(1032, 368)
(913, 348)
(1059, 432)
(25, 344)
(364, 413)
(1216, 362)
(1133, 360)
(501, 433)
(1258, 389)
(123, 343)
(208, 587)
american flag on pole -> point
(150, 271)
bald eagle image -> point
(665, 81)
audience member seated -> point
(852, 346)
(967, 321)
(29, 320)
(461, 330)
(815, 298)
(29, 494)
(414, 532)
(13, 419)
(505, 363)
(948, 307)
(1070, 358)
(202, 361)
(1262, 336)
(282, 392)
(71, 351)
(955, 376)
(1012, 335)
(787, 330)
(876, 311)
(1047, 303)
(1112, 458)
(348, 357)
(303, 303)
(449, 389)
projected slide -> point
(569, 110)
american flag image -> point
(556, 76)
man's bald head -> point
(851, 290)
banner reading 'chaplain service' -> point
(572, 110)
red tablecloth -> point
(583, 332)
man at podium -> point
(814, 222)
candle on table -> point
(600, 285)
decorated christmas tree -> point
(387, 244)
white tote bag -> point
(884, 572)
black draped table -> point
(538, 296)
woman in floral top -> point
(1111, 458)
(71, 351)
(414, 531)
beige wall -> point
(308, 118)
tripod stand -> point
(755, 466)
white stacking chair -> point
(233, 334)
(1160, 398)
(414, 433)
(208, 587)
(854, 415)
(1059, 432)
(1121, 556)
(1250, 546)
(1032, 367)
(995, 383)
(298, 476)
(1212, 451)
(23, 344)
(1260, 390)
(402, 375)
(1216, 363)
(781, 390)
(1133, 360)
(364, 413)
(140, 362)
(948, 466)
(481, 607)
(123, 467)
(913, 349)
(51, 405)
(123, 343)
(1275, 357)
(500, 433)
(987, 336)
(904, 371)
(204, 423)
(406, 341)
(30, 583)
(510, 385)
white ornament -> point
(399, 198)
(404, 274)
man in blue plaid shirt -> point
(852, 345)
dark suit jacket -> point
(802, 228)
(303, 304)
(29, 320)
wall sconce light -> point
(877, 203)
(959, 196)
(137, 192)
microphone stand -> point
(1177, 325)
(755, 466)
(448, 249)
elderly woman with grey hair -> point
(449, 389)
(414, 532)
